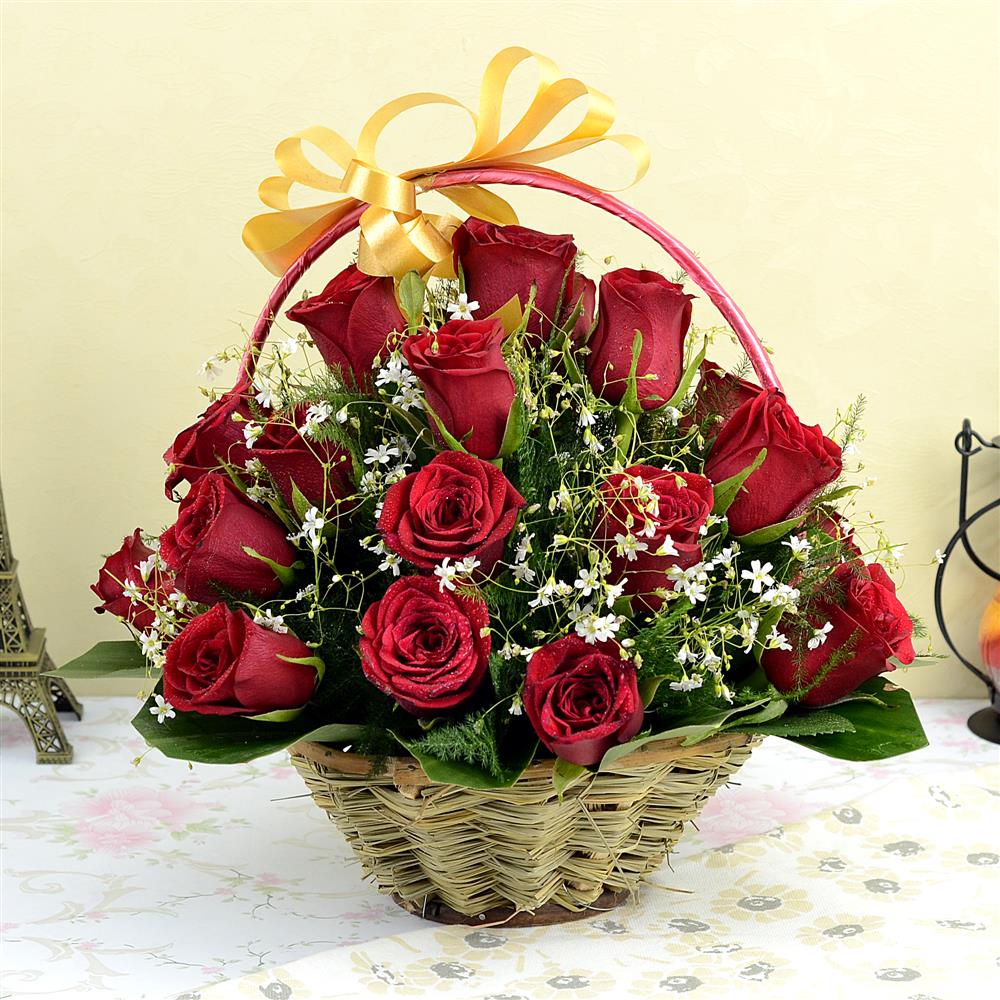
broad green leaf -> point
(688, 377)
(812, 723)
(121, 658)
(449, 772)
(411, 299)
(878, 732)
(768, 713)
(516, 429)
(233, 739)
(695, 731)
(280, 715)
(286, 574)
(564, 774)
(770, 533)
(727, 490)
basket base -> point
(544, 916)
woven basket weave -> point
(467, 855)
(518, 854)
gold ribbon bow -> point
(396, 236)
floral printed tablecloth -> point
(809, 877)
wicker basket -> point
(519, 854)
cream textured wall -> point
(833, 162)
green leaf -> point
(233, 739)
(286, 574)
(299, 502)
(516, 429)
(412, 291)
(770, 533)
(450, 772)
(814, 723)
(837, 494)
(564, 774)
(705, 726)
(727, 490)
(121, 658)
(768, 622)
(310, 661)
(688, 377)
(878, 731)
(630, 401)
(449, 439)
(768, 713)
(279, 715)
(649, 686)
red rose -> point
(350, 322)
(214, 438)
(425, 647)
(720, 394)
(499, 262)
(582, 699)
(869, 623)
(205, 547)
(222, 663)
(320, 469)
(465, 380)
(582, 291)
(455, 506)
(661, 311)
(663, 511)
(148, 582)
(800, 462)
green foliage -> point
(473, 739)
(106, 659)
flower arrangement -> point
(504, 516)
(480, 510)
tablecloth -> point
(160, 880)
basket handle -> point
(549, 181)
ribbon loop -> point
(396, 236)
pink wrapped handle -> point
(549, 181)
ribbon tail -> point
(277, 239)
(477, 201)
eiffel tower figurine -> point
(23, 662)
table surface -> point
(160, 879)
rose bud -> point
(205, 546)
(321, 470)
(351, 321)
(455, 506)
(868, 625)
(720, 394)
(222, 663)
(213, 439)
(425, 647)
(582, 699)
(465, 380)
(499, 262)
(661, 311)
(133, 568)
(582, 292)
(650, 523)
(800, 462)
